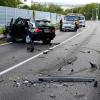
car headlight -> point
(62, 26)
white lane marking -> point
(23, 62)
(67, 40)
(64, 41)
(5, 44)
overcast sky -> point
(70, 1)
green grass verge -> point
(2, 41)
(57, 26)
(1, 30)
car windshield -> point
(70, 18)
(43, 23)
(81, 18)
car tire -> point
(28, 39)
(9, 38)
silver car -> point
(68, 26)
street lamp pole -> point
(92, 14)
(96, 13)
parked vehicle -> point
(42, 30)
(70, 23)
(82, 20)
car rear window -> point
(43, 23)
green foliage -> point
(10, 3)
(50, 8)
(25, 7)
(88, 10)
(39, 7)
(67, 11)
(1, 30)
(55, 9)
(2, 41)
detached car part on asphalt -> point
(68, 79)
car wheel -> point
(9, 38)
(46, 41)
(28, 39)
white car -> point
(82, 21)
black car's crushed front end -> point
(17, 29)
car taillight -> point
(38, 30)
(53, 30)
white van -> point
(82, 21)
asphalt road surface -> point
(69, 54)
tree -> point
(55, 9)
(25, 7)
(39, 7)
(10, 3)
(89, 10)
(67, 11)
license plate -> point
(46, 30)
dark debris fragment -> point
(46, 52)
(72, 70)
(59, 69)
(72, 60)
(88, 52)
(16, 84)
(95, 84)
(53, 96)
(94, 65)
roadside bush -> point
(2, 30)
